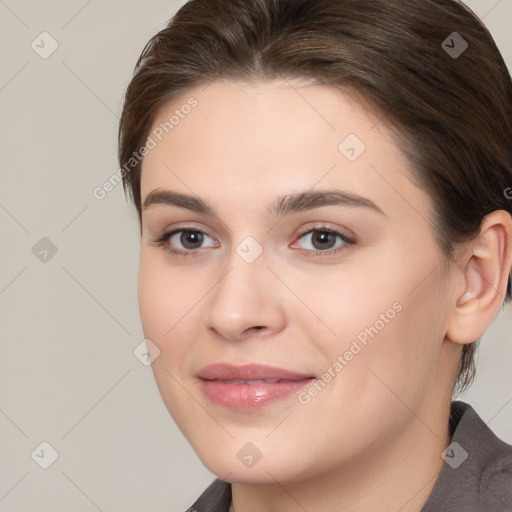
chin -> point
(235, 466)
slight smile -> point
(250, 386)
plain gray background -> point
(70, 320)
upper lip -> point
(226, 371)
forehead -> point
(278, 118)
(239, 139)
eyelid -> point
(346, 239)
(326, 227)
(163, 239)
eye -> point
(325, 240)
(190, 239)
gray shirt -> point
(476, 475)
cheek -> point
(168, 304)
(388, 330)
(403, 346)
(156, 299)
(389, 346)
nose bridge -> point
(244, 297)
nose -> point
(247, 302)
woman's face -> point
(356, 310)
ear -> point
(485, 266)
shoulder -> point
(215, 498)
(497, 485)
(496, 472)
(477, 474)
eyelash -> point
(165, 237)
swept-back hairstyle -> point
(430, 68)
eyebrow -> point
(282, 206)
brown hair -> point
(451, 105)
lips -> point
(253, 382)
(250, 386)
(225, 371)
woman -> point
(326, 233)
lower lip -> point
(250, 396)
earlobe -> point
(485, 264)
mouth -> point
(252, 382)
(250, 386)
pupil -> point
(323, 236)
(191, 237)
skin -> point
(383, 418)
